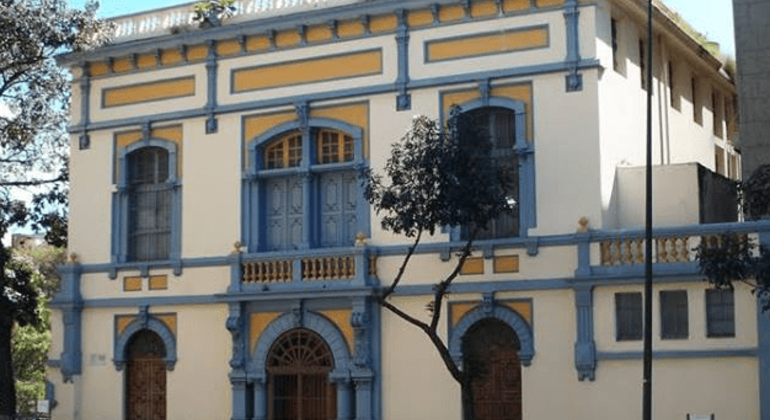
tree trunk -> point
(7, 388)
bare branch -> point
(402, 268)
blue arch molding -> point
(525, 150)
(344, 374)
(120, 205)
(253, 196)
(141, 323)
(510, 317)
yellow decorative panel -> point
(385, 23)
(97, 68)
(458, 310)
(169, 320)
(255, 125)
(321, 69)
(285, 39)
(341, 318)
(170, 132)
(132, 284)
(458, 98)
(483, 8)
(228, 47)
(417, 18)
(549, 3)
(319, 33)
(256, 43)
(197, 52)
(451, 13)
(487, 44)
(521, 307)
(169, 57)
(122, 65)
(158, 282)
(515, 5)
(350, 28)
(474, 265)
(146, 61)
(146, 92)
(519, 92)
(507, 264)
(257, 323)
(354, 114)
(122, 321)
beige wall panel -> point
(211, 188)
(91, 199)
(101, 381)
(148, 108)
(419, 69)
(75, 104)
(389, 74)
(745, 320)
(193, 282)
(566, 155)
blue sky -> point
(713, 18)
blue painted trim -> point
(299, 318)
(404, 99)
(574, 81)
(70, 302)
(585, 347)
(120, 204)
(211, 88)
(525, 151)
(250, 106)
(236, 324)
(763, 346)
(678, 354)
(144, 321)
(515, 321)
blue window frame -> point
(720, 313)
(302, 189)
(146, 206)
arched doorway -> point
(298, 367)
(145, 377)
(490, 356)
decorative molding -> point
(145, 321)
(585, 347)
(403, 99)
(574, 81)
(212, 124)
(69, 300)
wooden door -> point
(146, 378)
(490, 353)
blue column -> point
(571, 14)
(585, 348)
(363, 385)
(211, 80)
(85, 107)
(404, 99)
(260, 399)
(70, 302)
(343, 399)
(763, 352)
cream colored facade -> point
(215, 100)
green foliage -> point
(213, 12)
(439, 177)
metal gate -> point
(298, 366)
(490, 351)
(146, 378)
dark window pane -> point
(628, 316)
(673, 307)
(149, 205)
(720, 313)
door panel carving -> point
(146, 378)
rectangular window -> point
(628, 316)
(720, 313)
(614, 32)
(697, 111)
(642, 65)
(716, 112)
(673, 314)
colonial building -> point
(224, 260)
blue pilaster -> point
(585, 348)
(70, 302)
(236, 325)
(574, 81)
(763, 352)
(84, 142)
(404, 99)
(211, 81)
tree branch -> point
(442, 287)
(402, 268)
(31, 183)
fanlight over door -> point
(298, 367)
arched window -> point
(490, 356)
(306, 192)
(500, 124)
(298, 367)
(149, 204)
(145, 377)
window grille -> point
(285, 152)
(149, 205)
(628, 316)
(674, 318)
(720, 313)
(334, 147)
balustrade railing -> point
(163, 21)
(349, 264)
(630, 250)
